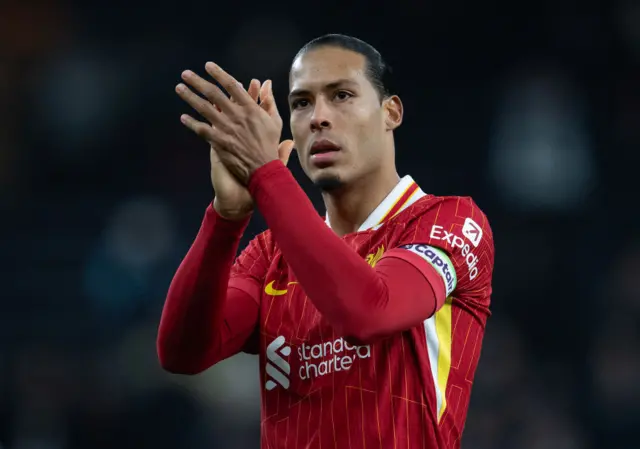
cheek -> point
(368, 130)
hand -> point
(232, 200)
(245, 135)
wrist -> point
(257, 167)
(264, 173)
(230, 213)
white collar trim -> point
(374, 221)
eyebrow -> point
(331, 85)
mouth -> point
(323, 146)
(324, 153)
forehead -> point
(325, 65)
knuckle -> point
(201, 130)
(227, 141)
(198, 103)
(238, 118)
(212, 92)
(228, 85)
(219, 140)
(207, 91)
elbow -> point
(361, 331)
(174, 362)
(362, 337)
(178, 367)
(366, 320)
(360, 326)
(363, 325)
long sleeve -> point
(204, 320)
(364, 303)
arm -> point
(204, 319)
(362, 302)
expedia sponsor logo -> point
(472, 231)
(439, 260)
(439, 233)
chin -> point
(328, 182)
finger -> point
(202, 129)
(229, 83)
(209, 90)
(254, 90)
(267, 100)
(231, 99)
(284, 150)
(204, 108)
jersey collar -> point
(403, 195)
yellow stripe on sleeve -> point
(443, 331)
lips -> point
(323, 146)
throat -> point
(349, 206)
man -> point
(369, 324)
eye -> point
(299, 103)
(342, 95)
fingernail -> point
(187, 73)
(180, 87)
(210, 65)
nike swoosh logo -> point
(269, 290)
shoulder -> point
(454, 225)
(447, 207)
(433, 214)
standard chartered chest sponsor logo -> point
(315, 360)
(277, 368)
(329, 357)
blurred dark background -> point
(532, 108)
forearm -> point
(192, 331)
(358, 300)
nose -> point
(321, 118)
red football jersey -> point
(410, 390)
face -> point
(341, 128)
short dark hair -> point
(377, 70)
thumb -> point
(267, 100)
(284, 150)
(214, 158)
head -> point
(342, 115)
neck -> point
(349, 207)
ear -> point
(394, 112)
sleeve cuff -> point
(265, 173)
(233, 228)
